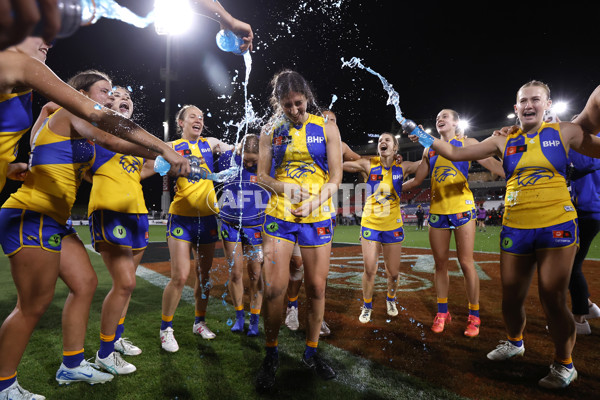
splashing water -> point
(93, 10)
(333, 100)
(224, 176)
(393, 96)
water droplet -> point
(130, 88)
(98, 107)
(163, 100)
(229, 322)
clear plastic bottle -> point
(229, 41)
(76, 13)
(411, 128)
(162, 166)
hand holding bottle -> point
(229, 41)
(412, 129)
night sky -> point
(471, 57)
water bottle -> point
(162, 166)
(76, 13)
(412, 128)
(229, 41)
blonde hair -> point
(180, 116)
(535, 83)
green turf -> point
(488, 241)
(224, 368)
(220, 369)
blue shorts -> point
(451, 221)
(527, 241)
(251, 235)
(311, 234)
(196, 230)
(70, 229)
(24, 228)
(383, 237)
(119, 229)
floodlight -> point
(173, 17)
(560, 107)
(463, 125)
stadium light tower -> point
(173, 17)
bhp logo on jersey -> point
(551, 143)
(315, 139)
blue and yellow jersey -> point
(15, 120)
(116, 183)
(195, 198)
(56, 167)
(450, 193)
(382, 207)
(242, 200)
(300, 157)
(585, 185)
(536, 190)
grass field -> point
(220, 369)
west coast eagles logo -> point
(297, 169)
(130, 164)
(441, 173)
(384, 198)
(531, 175)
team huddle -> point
(294, 165)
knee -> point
(84, 287)
(315, 291)
(36, 307)
(553, 299)
(370, 272)
(253, 276)
(125, 287)
(178, 280)
(236, 276)
(271, 293)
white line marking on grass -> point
(161, 281)
(360, 374)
